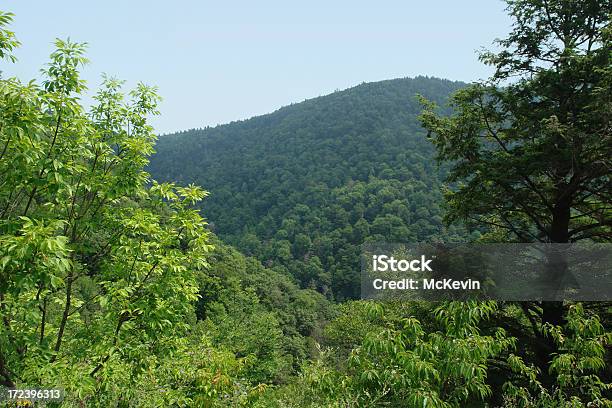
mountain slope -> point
(301, 188)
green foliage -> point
(260, 314)
(302, 188)
(445, 358)
(350, 328)
(99, 265)
(113, 287)
(580, 357)
(8, 41)
(531, 153)
(404, 365)
(531, 157)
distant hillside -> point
(301, 188)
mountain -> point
(303, 187)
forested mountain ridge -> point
(301, 188)
(115, 293)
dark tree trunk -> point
(553, 312)
(5, 375)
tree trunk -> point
(553, 312)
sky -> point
(219, 61)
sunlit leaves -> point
(98, 270)
(408, 365)
(8, 41)
(62, 72)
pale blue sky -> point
(215, 62)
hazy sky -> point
(215, 62)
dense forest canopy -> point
(111, 287)
(302, 188)
(117, 289)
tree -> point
(531, 148)
(98, 263)
(535, 154)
